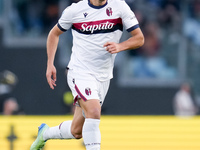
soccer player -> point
(96, 27)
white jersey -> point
(93, 26)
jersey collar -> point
(97, 7)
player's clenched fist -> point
(112, 47)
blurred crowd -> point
(160, 20)
(155, 17)
(33, 17)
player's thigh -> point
(78, 121)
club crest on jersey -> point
(88, 91)
(109, 11)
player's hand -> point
(112, 47)
(51, 76)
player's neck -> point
(98, 2)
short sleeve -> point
(65, 21)
(128, 17)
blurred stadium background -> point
(139, 112)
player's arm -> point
(135, 41)
(52, 43)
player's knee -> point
(93, 113)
